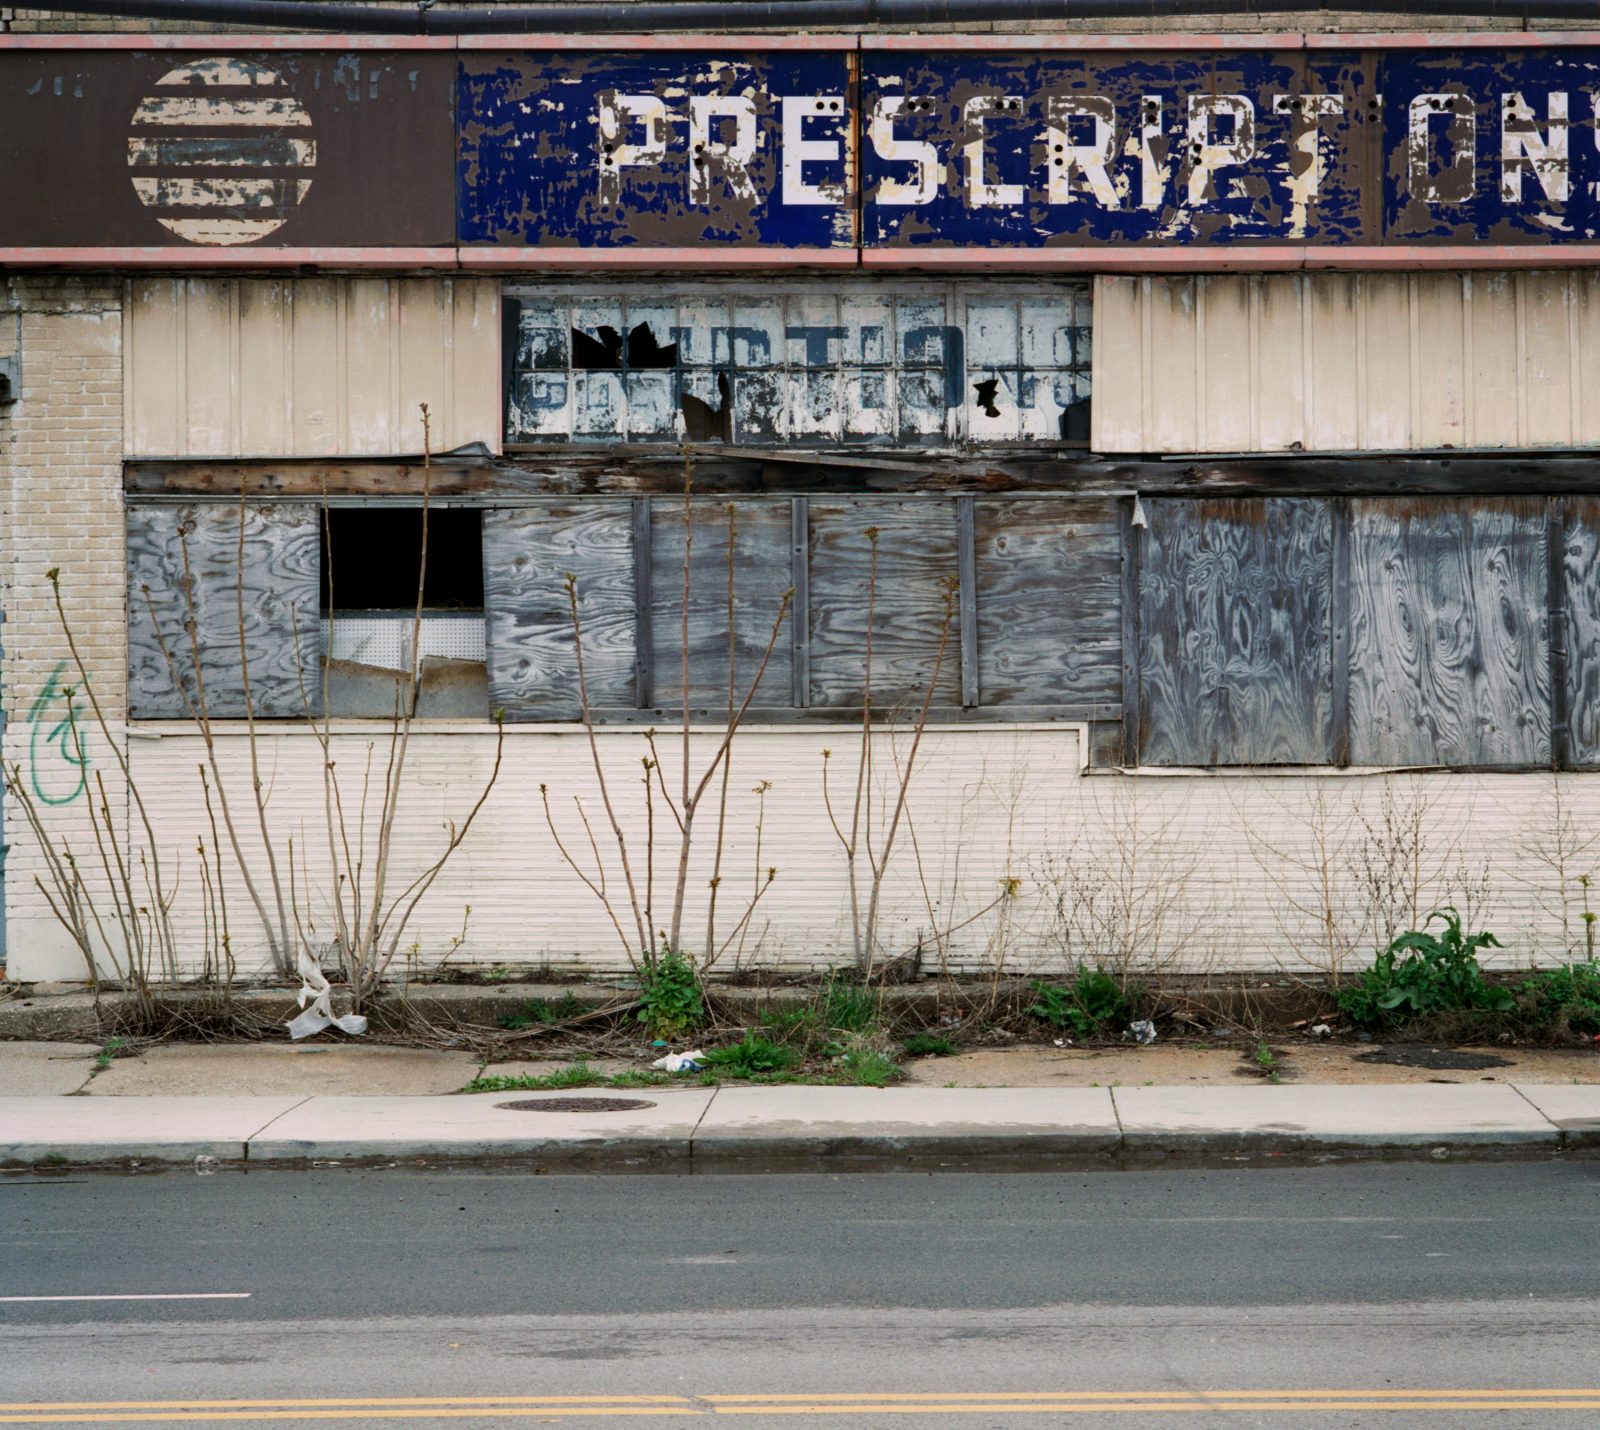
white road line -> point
(157, 1296)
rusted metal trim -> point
(967, 599)
(800, 602)
(533, 259)
(644, 646)
(1131, 536)
(1279, 42)
(1555, 561)
(1339, 620)
(1265, 258)
(213, 44)
(195, 256)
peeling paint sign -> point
(503, 154)
(659, 149)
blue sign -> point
(949, 149)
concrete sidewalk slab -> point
(1575, 1110)
(174, 1069)
(44, 1069)
(40, 1131)
(1263, 1117)
(764, 1128)
(365, 1129)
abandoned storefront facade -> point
(1185, 447)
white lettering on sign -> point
(1524, 150)
(621, 117)
(1090, 160)
(980, 192)
(1427, 180)
(1152, 147)
(798, 150)
(924, 187)
(1307, 165)
(713, 153)
(1207, 152)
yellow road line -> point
(334, 1403)
(1498, 1392)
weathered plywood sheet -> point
(271, 598)
(1449, 651)
(310, 367)
(760, 541)
(527, 555)
(1049, 588)
(1581, 596)
(1234, 632)
(1339, 362)
(916, 557)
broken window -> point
(371, 558)
(861, 361)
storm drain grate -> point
(577, 1104)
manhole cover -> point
(1412, 1055)
(577, 1104)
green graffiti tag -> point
(57, 751)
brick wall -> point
(61, 493)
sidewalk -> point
(732, 1129)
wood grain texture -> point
(761, 574)
(282, 634)
(1581, 581)
(527, 553)
(1234, 633)
(1449, 654)
(1049, 589)
(916, 555)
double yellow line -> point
(551, 1407)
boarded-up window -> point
(855, 361)
(1449, 652)
(1580, 596)
(188, 561)
(1235, 625)
(1048, 576)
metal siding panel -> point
(210, 373)
(1235, 661)
(527, 553)
(1495, 374)
(275, 599)
(372, 418)
(1586, 303)
(1173, 358)
(1440, 357)
(1334, 359)
(264, 371)
(314, 339)
(426, 325)
(475, 396)
(1221, 337)
(1547, 362)
(1280, 361)
(1386, 361)
(1449, 656)
(152, 382)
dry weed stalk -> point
(858, 845)
(650, 943)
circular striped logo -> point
(221, 151)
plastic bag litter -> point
(320, 1014)
(680, 1062)
(1321, 1030)
(1142, 1032)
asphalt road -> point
(1431, 1295)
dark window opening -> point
(371, 557)
(604, 350)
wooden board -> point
(1581, 577)
(1449, 651)
(761, 575)
(1235, 659)
(277, 589)
(527, 553)
(916, 555)
(1049, 597)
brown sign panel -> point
(273, 150)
